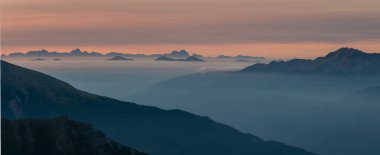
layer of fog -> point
(311, 112)
(118, 79)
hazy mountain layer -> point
(344, 61)
(30, 94)
(190, 58)
(302, 110)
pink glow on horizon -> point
(270, 28)
(307, 50)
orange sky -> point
(271, 28)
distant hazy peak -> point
(190, 58)
(76, 51)
(181, 53)
(118, 57)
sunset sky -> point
(271, 28)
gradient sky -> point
(272, 28)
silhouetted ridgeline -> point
(344, 61)
(182, 54)
(78, 53)
(57, 136)
(190, 58)
(119, 58)
(30, 94)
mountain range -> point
(190, 58)
(238, 57)
(178, 54)
(57, 136)
(30, 94)
(43, 53)
(344, 61)
(119, 58)
(181, 54)
(79, 53)
(339, 113)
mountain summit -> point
(346, 52)
(344, 61)
(179, 54)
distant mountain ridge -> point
(181, 54)
(178, 54)
(79, 53)
(43, 52)
(344, 61)
(190, 58)
(238, 57)
(30, 94)
(116, 58)
(57, 136)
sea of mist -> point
(119, 79)
(304, 111)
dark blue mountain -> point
(43, 53)
(344, 61)
(190, 58)
(178, 54)
(116, 58)
(238, 57)
(57, 136)
(165, 58)
(30, 94)
(113, 54)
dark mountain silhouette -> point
(112, 54)
(190, 58)
(43, 53)
(30, 94)
(247, 57)
(238, 57)
(119, 58)
(178, 54)
(344, 61)
(57, 136)
(197, 55)
(165, 58)
(78, 53)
